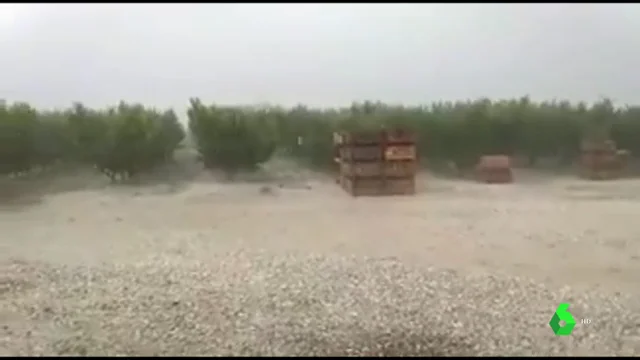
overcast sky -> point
(317, 54)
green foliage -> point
(18, 124)
(119, 141)
(463, 131)
(232, 138)
(127, 139)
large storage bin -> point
(494, 169)
(376, 163)
(602, 160)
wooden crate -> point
(375, 152)
(589, 145)
(358, 153)
(396, 169)
(399, 136)
(393, 136)
(602, 165)
(495, 176)
(361, 138)
(601, 160)
(377, 163)
(378, 186)
(494, 169)
(361, 186)
(400, 152)
(400, 186)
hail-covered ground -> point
(211, 268)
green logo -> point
(562, 315)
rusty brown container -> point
(494, 169)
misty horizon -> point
(319, 55)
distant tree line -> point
(126, 139)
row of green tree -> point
(126, 139)
(119, 141)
